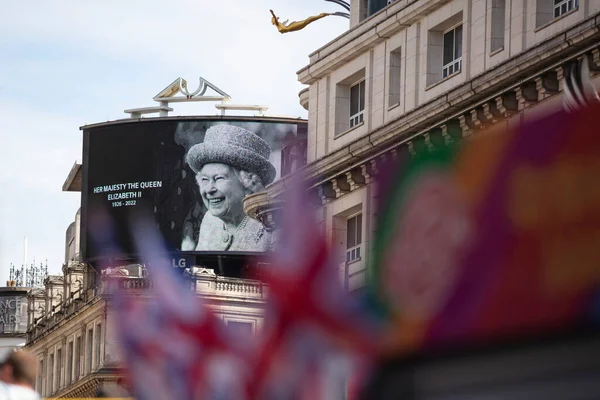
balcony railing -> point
(564, 7)
(452, 67)
(357, 118)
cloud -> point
(37, 152)
(233, 44)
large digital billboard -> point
(190, 175)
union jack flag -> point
(310, 318)
(174, 347)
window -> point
(89, 347)
(452, 59)
(98, 344)
(40, 376)
(394, 77)
(548, 10)
(77, 358)
(69, 373)
(444, 49)
(244, 328)
(497, 35)
(350, 102)
(562, 7)
(353, 238)
(357, 103)
(50, 381)
(59, 364)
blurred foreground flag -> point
(495, 239)
(311, 323)
(174, 347)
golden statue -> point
(284, 27)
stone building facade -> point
(412, 73)
(70, 325)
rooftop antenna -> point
(24, 266)
(178, 92)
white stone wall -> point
(334, 64)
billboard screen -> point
(13, 314)
(191, 175)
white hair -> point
(251, 181)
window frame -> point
(395, 77)
(569, 5)
(455, 65)
(358, 117)
(353, 253)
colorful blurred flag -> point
(493, 239)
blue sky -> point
(64, 64)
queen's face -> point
(221, 190)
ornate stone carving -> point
(479, 118)
(435, 138)
(507, 103)
(491, 112)
(466, 125)
(326, 192)
(355, 178)
(546, 84)
(340, 185)
(527, 94)
(451, 131)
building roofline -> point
(281, 119)
(73, 181)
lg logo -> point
(179, 263)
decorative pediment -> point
(178, 91)
(200, 271)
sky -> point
(68, 63)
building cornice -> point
(39, 333)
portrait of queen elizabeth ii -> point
(229, 164)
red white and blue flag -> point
(311, 322)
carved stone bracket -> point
(507, 103)
(451, 131)
(547, 84)
(355, 178)
(435, 138)
(327, 193)
(479, 117)
(466, 125)
(420, 144)
(340, 185)
(491, 112)
(527, 94)
(595, 57)
(560, 75)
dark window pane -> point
(243, 328)
(359, 229)
(350, 232)
(458, 43)
(354, 93)
(361, 102)
(358, 252)
(448, 46)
